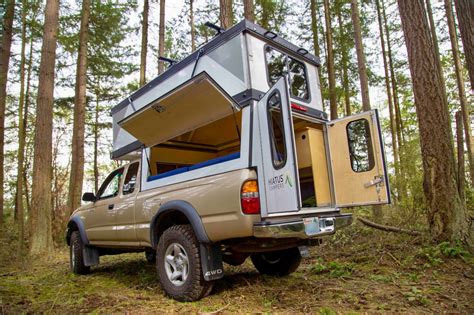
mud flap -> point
(211, 262)
(91, 256)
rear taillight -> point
(249, 197)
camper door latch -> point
(376, 181)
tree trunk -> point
(460, 82)
(344, 66)
(77, 157)
(191, 24)
(19, 213)
(389, 98)
(314, 30)
(460, 155)
(330, 61)
(361, 66)
(248, 10)
(40, 238)
(447, 216)
(161, 37)
(465, 13)
(144, 48)
(96, 144)
(396, 106)
(226, 15)
(5, 51)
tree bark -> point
(77, 157)
(19, 213)
(5, 51)
(447, 216)
(96, 143)
(144, 48)
(330, 61)
(361, 65)
(40, 237)
(248, 10)
(396, 159)
(226, 15)
(191, 24)
(458, 68)
(460, 155)
(465, 14)
(161, 37)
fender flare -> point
(80, 226)
(188, 211)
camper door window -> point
(360, 146)
(277, 135)
(278, 64)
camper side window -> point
(277, 135)
(278, 64)
(360, 145)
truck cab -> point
(231, 156)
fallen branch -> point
(387, 228)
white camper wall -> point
(259, 74)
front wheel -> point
(278, 263)
(76, 255)
(178, 264)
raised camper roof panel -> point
(226, 63)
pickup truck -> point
(216, 174)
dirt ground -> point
(358, 270)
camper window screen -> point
(360, 145)
(279, 63)
(277, 139)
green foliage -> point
(334, 268)
(415, 295)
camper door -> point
(279, 176)
(358, 161)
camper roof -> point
(243, 26)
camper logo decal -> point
(279, 182)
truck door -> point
(278, 178)
(358, 160)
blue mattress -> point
(181, 170)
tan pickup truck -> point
(229, 156)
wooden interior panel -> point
(311, 152)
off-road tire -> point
(150, 256)
(279, 263)
(76, 257)
(194, 287)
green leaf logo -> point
(288, 180)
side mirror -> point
(88, 197)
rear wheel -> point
(278, 263)
(76, 255)
(179, 265)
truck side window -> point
(131, 179)
(110, 187)
(278, 64)
(277, 135)
(360, 145)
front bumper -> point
(302, 228)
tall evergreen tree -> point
(226, 13)
(330, 61)
(248, 10)
(144, 47)
(161, 36)
(77, 156)
(447, 216)
(465, 13)
(5, 52)
(40, 226)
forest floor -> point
(358, 270)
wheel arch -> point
(75, 224)
(173, 213)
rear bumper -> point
(316, 227)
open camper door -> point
(358, 161)
(279, 176)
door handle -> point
(373, 182)
(111, 207)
